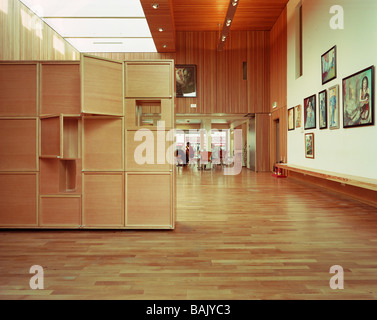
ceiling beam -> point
(233, 4)
(160, 18)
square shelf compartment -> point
(60, 136)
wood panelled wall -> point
(278, 87)
(24, 36)
(221, 87)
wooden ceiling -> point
(207, 15)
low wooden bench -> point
(360, 188)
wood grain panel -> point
(24, 36)
(258, 71)
(262, 142)
(103, 141)
(103, 200)
(18, 200)
(102, 86)
(149, 200)
(18, 145)
(18, 90)
(278, 61)
(148, 80)
(60, 212)
(197, 15)
(163, 17)
(60, 89)
(238, 89)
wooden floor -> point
(249, 236)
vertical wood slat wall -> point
(24, 36)
(69, 170)
(278, 87)
(221, 87)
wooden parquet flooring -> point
(249, 236)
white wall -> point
(353, 150)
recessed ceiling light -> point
(155, 5)
(161, 29)
(164, 46)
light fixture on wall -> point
(227, 23)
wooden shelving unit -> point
(70, 141)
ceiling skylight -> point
(97, 25)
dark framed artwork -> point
(291, 119)
(309, 145)
(185, 79)
(334, 110)
(358, 99)
(310, 112)
(322, 101)
(328, 65)
(298, 116)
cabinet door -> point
(60, 89)
(18, 200)
(18, 145)
(103, 200)
(149, 79)
(102, 86)
(103, 144)
(18, 90)
(149, 202)
(60, 212)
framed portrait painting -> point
(334, 107)
(291, 119)
(328, 65)
(310, 112)
(322, 100)
(185, 79)
(358, 99)
(309, 145)
(298, 116)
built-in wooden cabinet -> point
(74, 138)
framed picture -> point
(322, 100)
(310, 112)
(334, 107)
(328, 65)
(309, 145)
(291, 119)
(298, 116)
(358, 99)
(185, 78)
